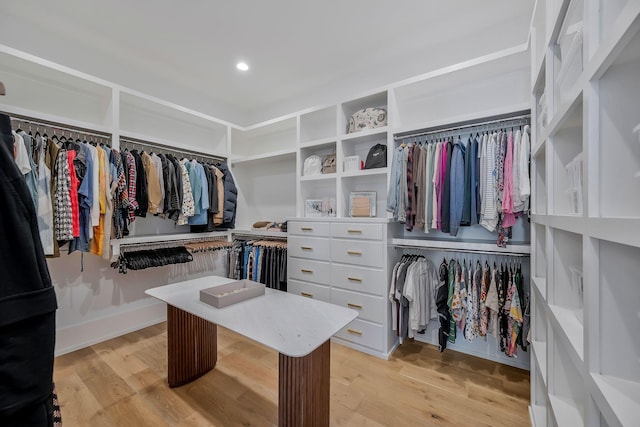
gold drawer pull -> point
(354, 331)
(354, 252)
(354, 231)
(354, 279)
(354, 306)
(306, 228)
(306, 248)
(304, 270)
(306, 294)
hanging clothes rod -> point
(54, 126)
(124, 247)
(183, 151)
(524, 115)
(466, 251)
(241, 236)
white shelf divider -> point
(364, 133)
(365, 172)
(616, 230)
(322, 177)
(274, 155)
(540, 352)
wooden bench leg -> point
(304, 388)
(192, 346)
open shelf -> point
(564, 288)
(567, 393)
(256, 182)
(539, 181)
(618, 398)
(568, 53)
(377, 183)
(154, 122)
(612, 12)
(274, 155)
(117, 243)
(619, 158)
(376, 100)
(538, 39)
(568, 192)
(539, 236)
(570, 330)
(320, 177)
(619, 311)
(318, 124)
(540, 352)
(46, 90)
(458, 245)
(369, 135)
(318, 189)
(273, 137)
(480, 83)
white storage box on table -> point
(231, 293)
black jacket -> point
(230, 197)
(27, 299)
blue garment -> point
(394, 184)
(202, 205)
(456, 195)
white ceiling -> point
(301, 52)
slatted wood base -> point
(304, 388)
(192, 346)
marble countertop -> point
(290, 324)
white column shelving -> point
(586, 249)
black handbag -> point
(377, 157)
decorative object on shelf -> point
(377, 157)
(313, 208)
(352, 163)
(577, 287)
(329, 163)
(368, 118)
(231, 293)
(312, 166)
(362, 204)
(637, 130)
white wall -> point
(99, 303)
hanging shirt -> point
(188, 207)
(489, 210)
(525, 185)
(437, 187)
(45, 209)
(394, 184)
(153, 183)
(446, 188)
(508, 217)
(132, 180)
(200, 217)
(420, 165)
(457, 187)
(31, 176)
(160, 180)
(429, 188)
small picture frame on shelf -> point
(313, 208)
(362, 204)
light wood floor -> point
(122, 382)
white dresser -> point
(345, 262)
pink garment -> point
(73, 193)
(508, 217)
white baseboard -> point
(94, 331)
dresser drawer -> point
(359, 279)
(357, 252)
(363, 333)
(308, 290)
(308, 228)
(309, 271)
(368, 307)
(315, 248)
(357, 231)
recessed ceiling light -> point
(242, 66)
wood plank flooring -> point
(123, 382)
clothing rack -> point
(124, 247)
(135, 143)
(240, 236)
(466, 251)
(54, 128)
(504, 121)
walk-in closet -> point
(320, 214)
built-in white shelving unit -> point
(585, 201)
